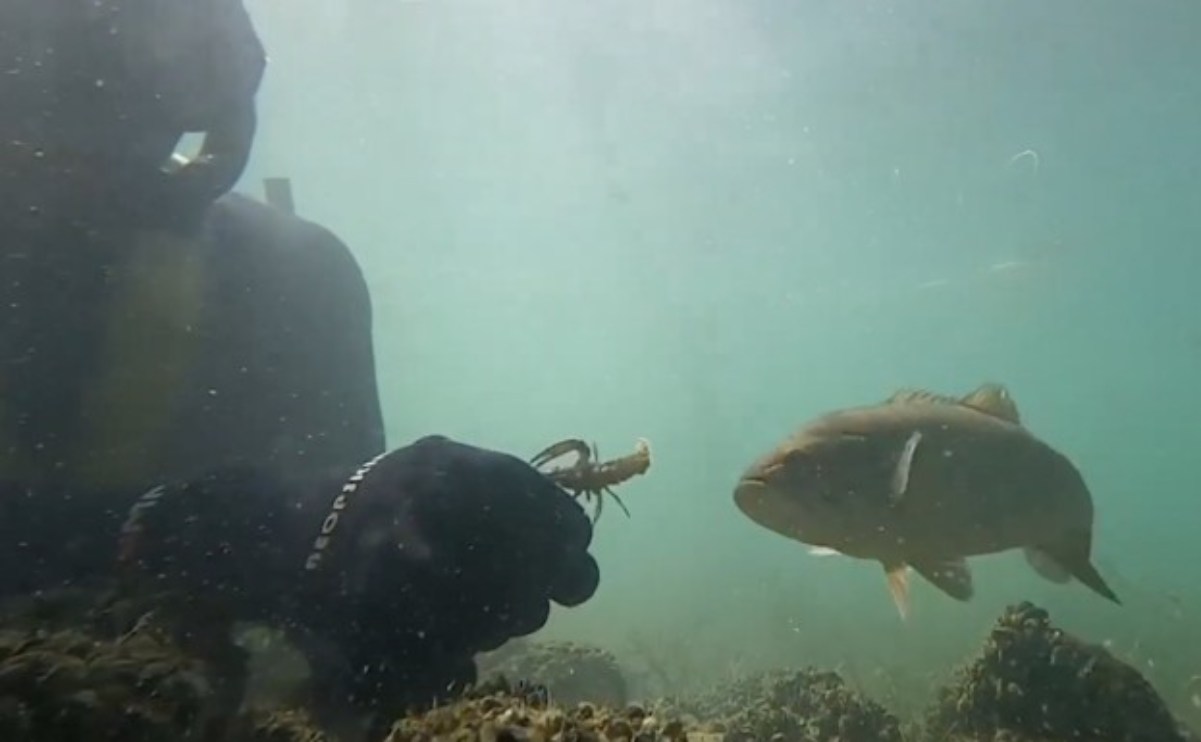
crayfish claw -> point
(555, 450)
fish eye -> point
(798, 462)
(800, 469)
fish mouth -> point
(751, 494)
(766, 505)
(754, 486)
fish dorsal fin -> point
(991, 399)
(919, 396)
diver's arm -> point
(238, 534)
(338, 356)
(296, 413)
(292, 346)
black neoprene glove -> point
(408, 566)
(441, 550)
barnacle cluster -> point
(68, 685)
(504, 712)
(806, 705)
(572, 673)
(1034, 682)
(285, 725)
(79, 664)
(802, 706)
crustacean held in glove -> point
(590, 477)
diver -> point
(187, 383)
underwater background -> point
(707, 221)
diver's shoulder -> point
(261, 231)
(240, 215)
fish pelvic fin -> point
(989, 398)
(952, 576)
(898, 586)
(1071, 552)
(1046, 566)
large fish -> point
(922, 481)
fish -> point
(923, 481)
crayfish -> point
(590, 477)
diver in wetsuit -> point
(186, 375)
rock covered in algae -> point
(806, 705)
(1035, 683)
(572, 673)
(67, 685)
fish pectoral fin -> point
(952, 576)
(1046, 566)
(1072, 552)
(898, 586)
(900, 475)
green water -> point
(706, 221)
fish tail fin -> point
(1072, 553)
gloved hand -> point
(408, 566)
(437, 551)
